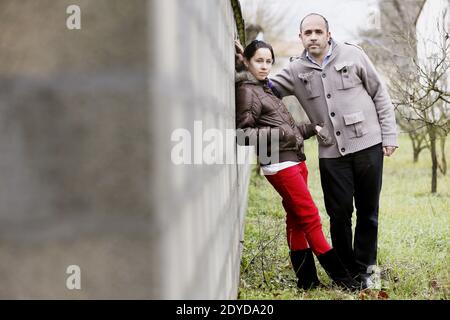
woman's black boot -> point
(305, 269)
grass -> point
(413, 242)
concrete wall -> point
(200, 207)
(85, 150)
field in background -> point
(414, 236)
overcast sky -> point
(344, 16)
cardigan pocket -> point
(347, 74)
(310, 83)
(355, 124)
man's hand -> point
(318, 128)
(388, 151)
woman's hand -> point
(324, 135)
(238, 47)
(239, 56)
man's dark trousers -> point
(358, 176)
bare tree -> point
(267, 17)
(423, 98)
(419, 87)
(390, 47)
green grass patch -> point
(413, 242)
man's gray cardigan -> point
(347, 96)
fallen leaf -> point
(434, 284)
(382, 295)
(366, 294)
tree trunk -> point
(443, 166)
(416, 140)
(416, 155)
(434, 161)
(416, 151)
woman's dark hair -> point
(251, 49)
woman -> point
(261, 115)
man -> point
(340, 89)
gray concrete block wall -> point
(199, 221)
(85, 145)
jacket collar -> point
(246, 77)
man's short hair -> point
(315, 14)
